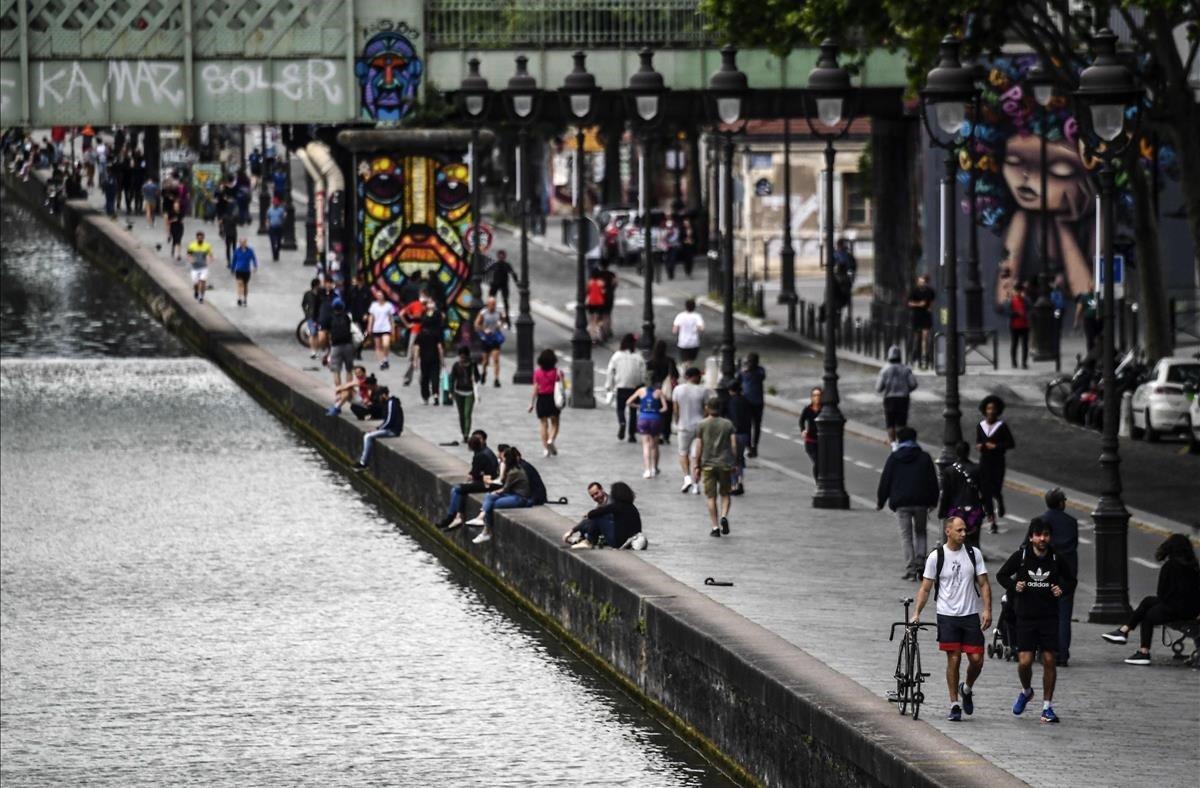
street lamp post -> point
(829, 87)
(1044, 331)
(1106, 90)
(787, 256)
(973, 291)
(264, 197)
(728, 87)
(645, 91)
(948, 88)
(580, 93)
(522, 92)
(474, 94)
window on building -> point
(857, 204)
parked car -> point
(1160, 405)
(614, 223)
(1193, 395)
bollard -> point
(1125, 428)
(712, 372)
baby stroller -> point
(1004, 633)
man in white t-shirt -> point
(689, 399)
(687, 328)
(964, 610)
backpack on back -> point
(941, 561)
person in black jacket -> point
(611, 524)
(909, 486)
(962, 495)
(1064, 539)
(392, 426)
(485, 469)
(993, 439)
(1178, 596)
(1036, 577)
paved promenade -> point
(825, 581)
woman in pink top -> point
(544, 378)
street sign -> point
(485, 238)
(1118, 278)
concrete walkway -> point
(827, 582)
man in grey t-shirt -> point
(715, 436)
(689, 399)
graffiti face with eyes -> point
(1067, 189)
(389, 73)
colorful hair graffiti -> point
(1006, 152)
(413, 216)
(389, 73)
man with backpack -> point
(1037, 577)
(958, 577)
(909, 486)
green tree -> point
(1165, 34)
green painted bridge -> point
(165, 62)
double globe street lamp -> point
(580, 96)
(522, 93)
(1108, 93)
(829, 89)
(727, 89)
(949, 87)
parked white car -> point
(1160, 405)
(1194, 418)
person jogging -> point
(380, 317)
(687, 328)
(1037, 577)
(243, 264)
(688, 398)
(808, 425)
(200, 251)
(895, 382)
(956, 574)
(651, 406)
(491, 338)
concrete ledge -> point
(764, 709)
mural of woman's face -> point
(1066, 178)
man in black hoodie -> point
(1037, 577)
(485, 469)
(909, 486)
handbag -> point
(560, 396)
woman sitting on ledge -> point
(515, 493)
(611, 524)
(1178, 597)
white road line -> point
(1144, 562)
(862, 464)
(861, 501)
(1016, 519)
(1084, 540)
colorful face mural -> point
(1007, 156)
(389, 72)
(414, 212)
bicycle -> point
(908, 666)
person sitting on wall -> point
(612, 524)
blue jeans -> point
(594, 528)
(369, 441)
(459, 493)
(501, 501)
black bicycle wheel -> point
(906, 675)
(302, 333)
(917, 695)
(901, 686)
(1057, 392)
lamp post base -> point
(583, 393)
(1112, 557)
(524, 373)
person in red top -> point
(594, 301)
(544, 378)
(410, 320)
(808, 425)
(1018, 324)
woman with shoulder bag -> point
(546, 379)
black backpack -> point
(941, 561)
(537, 488)
(339, 330)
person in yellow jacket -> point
(200, 253)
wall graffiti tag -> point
(414, 213)
(389, 73)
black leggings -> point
(430, 379)
(622, 396)
(756, 414)
(1150, 613)
(1020, 336)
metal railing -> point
(501, 24)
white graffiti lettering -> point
(128, 78)
(317, 76)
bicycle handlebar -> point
(907, 625)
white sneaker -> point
(476, 521)
(456, 522)
(647, 474)
(696, 488)
(553, 449)
(546, 452)
(687, 484)
(483, 537)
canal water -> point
(191, 595)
